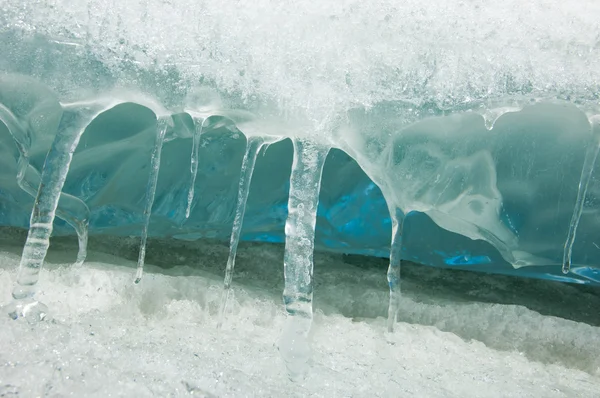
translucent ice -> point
(463, 144)
(161, 129)
(198, 125)
(393, 274)
(75, 119)
(305, 184)
(586, 174)
(38, 113)
(253, 147)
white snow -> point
(457, 336)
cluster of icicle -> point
(308, 162)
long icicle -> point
(305, 183)
(75, 119)
(162, 124)
(29, 180)
(253, 146)
(68, 206)
(198, 127)
(393, 273)
(586, 174)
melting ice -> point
(408, 137)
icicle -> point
(586, 174)
(162, 125)
(394, 268)
(253, 146)
(305, 182)
(71, 209)
(73, 123)
(82, 240)
(393, 273)
(199, 125)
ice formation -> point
(393, 273)
(476, 141)
(305, 184)
(28, 177)
(161, 129)
(586, 174)
(253, 147)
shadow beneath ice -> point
(260, 265)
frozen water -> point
(589, 163)
(305, 184)
(198, 125)
(161, 130)
(253, 147)
(75, 119)
(499, 200)
(468, 145)
(483, 133)
(461, 334)
(71, 209)
(393, 274)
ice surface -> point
(480, 124)
(471, 144)
(586, 174)
(461, 334)
(514, 187)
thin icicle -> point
(73, 123)
(305, 183)
(253, 146)
(82, 241)
(393, 273)
(70, 208)
(199, 125)
(586, 174)
(395, 265)
(162, 125)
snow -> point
(460, 334)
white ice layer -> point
(322, 58)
